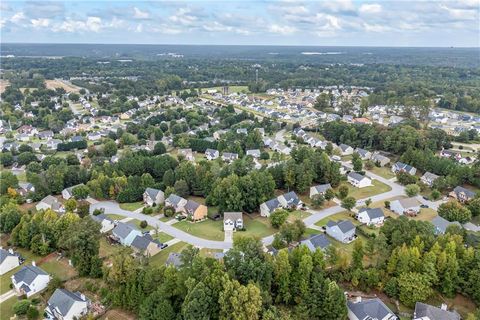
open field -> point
(160, 258)
(52, 84)
(231, 89)
(3, 85)
(361, 193)
(132, 206)
(207, 229)
(384, 172)
(255, 227)
(162, 237)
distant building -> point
(429, 178)
(462, 194)
(50, 202)
(442, 224)
(212, 154)
(402, 167)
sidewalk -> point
(7, 295)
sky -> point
(418, 23)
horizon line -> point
(234, 45)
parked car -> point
(163, 246)
(425, 198)
(423, 206)
(180, 217)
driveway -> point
(7, 295)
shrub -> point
(387, 204)
(169, 211)
(32, 313)
(21, 307)
(143, 224)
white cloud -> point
(370, 8)
(184, 17)
(18, 17)
(284, 30)
(92, 24)
(463, 14)
(139, 14)
(139, 28)
(339, 5)
(375, 27)
(40, 23)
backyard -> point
(384, 172)
(132, 206)
(255, 227)
(207, 229)
(362, 193)
(160, 258)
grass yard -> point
(362, 193)
(136, 223)
(231, 89)
(162, 237)
(132, 206)
(160, 258)
(5, 278)
(298, 215)
(59, 268)
(310, 232)
(115, 216)
(344, 215)
(426, 214)
(108, 250)
(6, 311)
(384, 172)
(255, 227)
(165, 219)
(207, 229)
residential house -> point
(67, 193)
(146, 245)
(425, 311)
(218, 134)
(67, 305)
(319, 189)
(343, 230)
(429, 178)
(371, 216)
(345, 149)
(232, 221)
(269, 206)
(212, 154)
(30, 280)
(176, 202)
(52, 144)
(316, 241)
(125, 233)
(153, 196)
(450, 154)
(24, 188)
(9, 260)
(358, 180)
(229, 157)
(379, 159)
(402, 167)
(94, 136)
(254, 153)
(369, 309)
(408, 206)
(189, 208)
(242, 131)
(50, 202)
(462, 194)
(442, 224)
(290, 200)
(106, 223)
(187, 153)
(174, 259)
(364, 154)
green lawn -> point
(6, 311)
(160, 258)
(162, 237)
(298, 215)
(310, 232)
(344, 215)
(255, 227)
(384, 172)
(115, 216)
(165, 219)
(132, 206)
(207, 229)
(60, 268)
(362, 193)
(136, 223)
(426, 214)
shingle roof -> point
(152, 193)
(234, 216)
(343, 225)
(467, 192)
(63, 300)
(321, 188)
(356, 176)
(100, 217)
(4, 254)
(142, 242)
(370, 309)
(373, 213)
(272, 204)
(426, 310)
(409, 202)
(174, 259)
(344, 147)
(122, 230)
(291, 198)
(442, 224)
(28, 273)
(316, 241)
(174, 199)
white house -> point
(319, 189)
(126, 233)
(408, 206)
(359, 181)
(50, 202)
(67, 305)
(269, 206)
(343, 230)
(380, 159)
(30, 280)
(153, 196)
(402, 167)
(67, 193)
(429, 178)
(8, 260)
(106, 223)
(364, 154)
(254, 153)
(229, 157)
(425, 311)
(212, 154)
(371, 216)
(345, 149)
(232, 221)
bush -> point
(21, 307)
(342, 191)
(32, 313)
(278, 218)
(435, 195)
(97, 212)
(143, 224)
(412, 190)
(169, 211)
(387, 204)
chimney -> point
(82, 296)
(10, 251)
(444, 307)
(34, 264)
(358, 299)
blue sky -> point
(284, 22)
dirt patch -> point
(53, 84)
(117, 314)
(3, 85)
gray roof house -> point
(425, 311)
(343, 230)
(358, 180)
(462, 194)
(269, 206)
(153, 196)
(254, 153)
(67, 193)
(345, 149)
(364, 154)
(408, 206)
(371, 216)
(176, 202)
(402, 167)
(211, 154)
(9, 260)
(290, 200)
(106, 223)
(316, 241)
(369, 309)
(30, 280)
(126, 233)
(319, 189)
(50, 202)
(232, 220)
(64, 304)
(442, 224)
(229, 157)
(429, 178)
